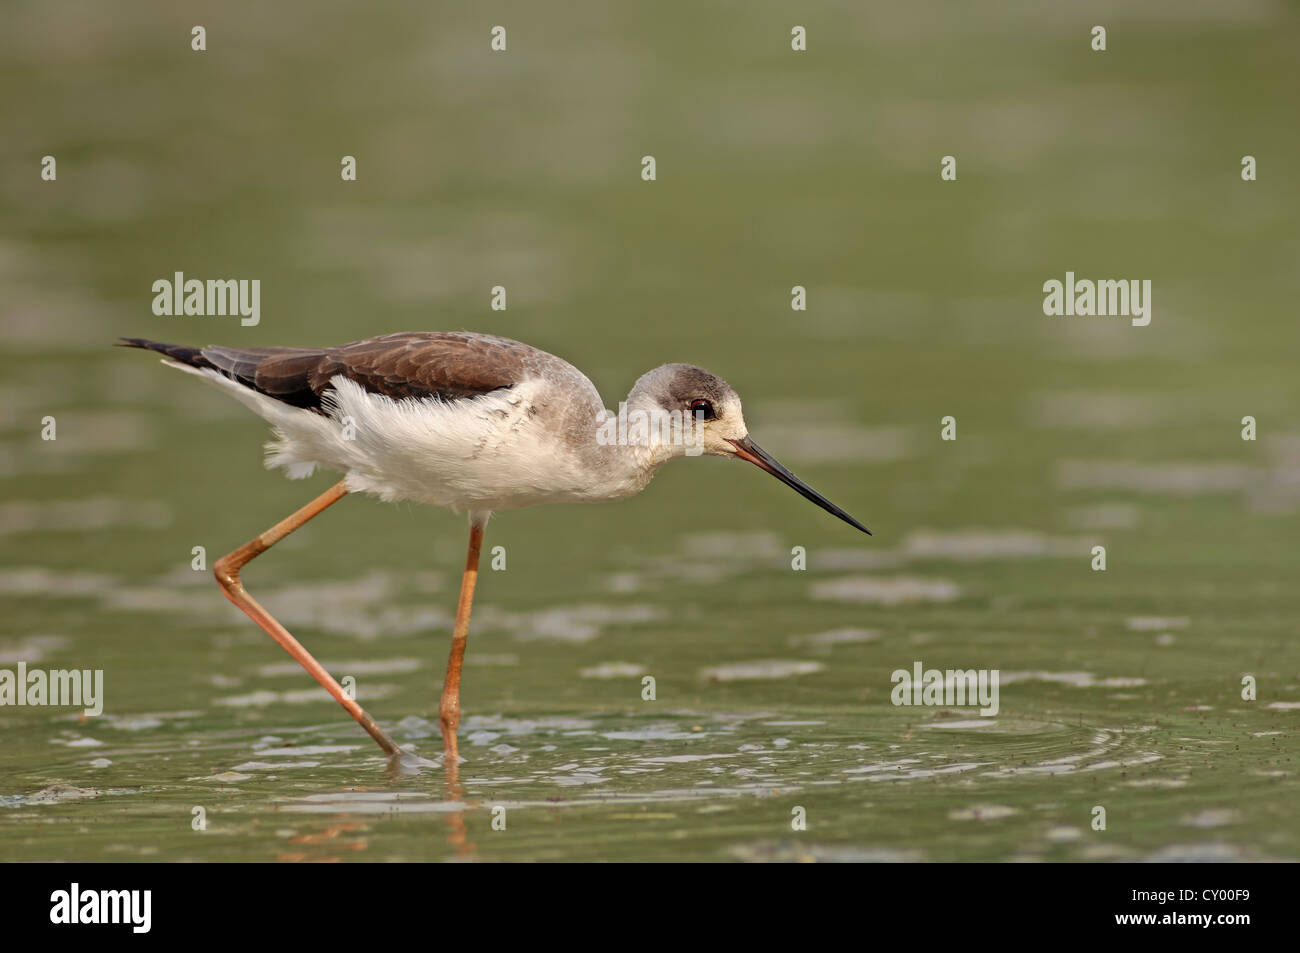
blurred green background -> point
(522, 168)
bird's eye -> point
(702, 409)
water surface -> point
(1121, 689)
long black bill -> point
(746, 449)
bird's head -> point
(713, 422)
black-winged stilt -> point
(467, 421)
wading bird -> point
(467, 421)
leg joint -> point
(226, 569)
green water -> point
(1120, 689)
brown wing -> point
(446, 364)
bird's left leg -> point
(449, 708)
(227, 572)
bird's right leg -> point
(227, 573)
(449, 706)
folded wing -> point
(449, 365)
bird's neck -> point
(628, 450)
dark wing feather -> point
(428, 364)
(280, 372)
(449, 365)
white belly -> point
(480, 453)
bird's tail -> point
(180, 353)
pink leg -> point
(449, 709)
(227, 573)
